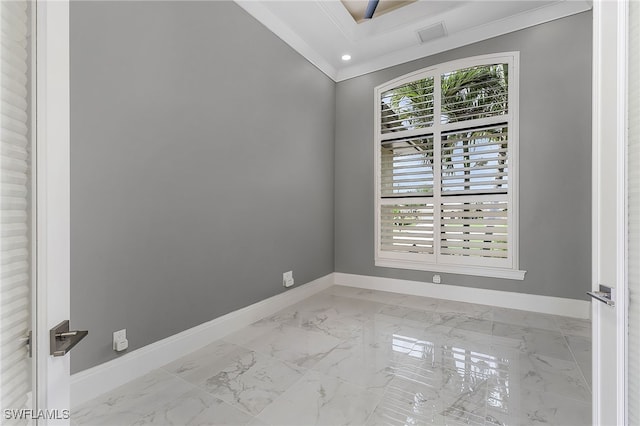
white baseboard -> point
(102, 378)
(504, 299)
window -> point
(446, 168)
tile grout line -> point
(199, 387)
(575, 360)
(371, 314)
(573, 355)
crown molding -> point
(266, 17)
(545, 13)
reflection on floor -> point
(350, 356)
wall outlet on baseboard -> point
(437, 279)
(120, 342)
(287, 279)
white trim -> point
(514, 169)
(595, 203)
(609, 208)
(270, 20)
(97, 380)
(473, 35)
(507, 268)
(34, 203)
(480, 271)
(102, 378)
(622, 209)
(53, 199)
(540, 15)
(503, 299)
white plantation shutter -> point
(445, 167)
(633, 167)
(14, 217)
(406, 166)
(398, 115)
(474, 228)
(467, 104)
(475, 161)
(406, 228)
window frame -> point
(436, 262)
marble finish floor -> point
(347, 356)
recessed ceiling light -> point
(346, 57)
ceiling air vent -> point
(432, 32)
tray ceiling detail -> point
(325, 30)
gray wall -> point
(208, 157)
(201, 168)
(555, 162)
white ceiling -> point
(323, 30)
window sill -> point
(480, 271)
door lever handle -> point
(606, 295)
(62, 340)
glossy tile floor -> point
(356, 357)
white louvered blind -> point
(408, 106)
(633, 167)
(407, 228)
(475, 161)
(15, 382)
(407, 166)
(475, 228)
(444, 165)
(474, 93)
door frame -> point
(52, 210)
(53, 198)
(623, 211)
(609, 233)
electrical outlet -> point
(436, 279)
(287, 279)
(120, 342)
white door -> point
(610, 220)
(34, 189)
(15, 210)
(633, 193)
